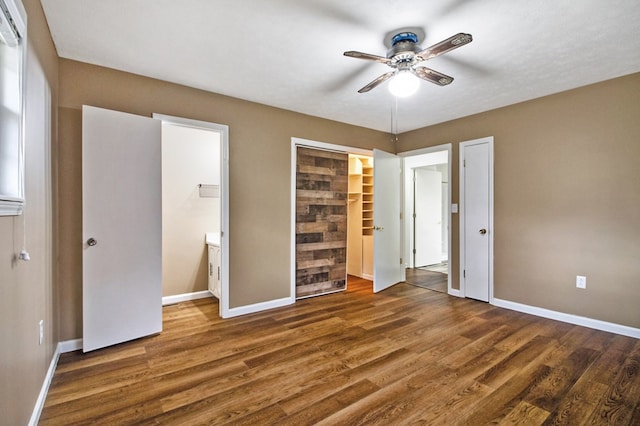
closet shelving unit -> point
(360, 217)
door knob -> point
(92, 242)
(483, 231)
(378, 228)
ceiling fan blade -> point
(368, 56)
(444, 46)
(432, 76)
(377, 81)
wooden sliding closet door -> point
(321, 221)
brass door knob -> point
(483, 231)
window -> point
(12, 59)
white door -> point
(387, 267)
(477, 218)
(428, 217)
(121, 219)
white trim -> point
(463, 145)
(569, 318)
(224, 310)
(330, 147)
(367, 277)
(407, 225)
(70, 345)
(295, 142)
(455, 292)
(11, 208)
(258, 307)
(177, 298)
(44, 390)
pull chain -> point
(394, 123)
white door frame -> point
(224, 199)
(411, 159)
(295, 142)
(463, 146)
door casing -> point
(418, 158)
(312, 144)
(223, 130)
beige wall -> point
(567, 197)
(189, 157)
(259, 174)
(27, 293)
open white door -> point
(387, 265)
(122, 214)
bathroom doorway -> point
(194, 206)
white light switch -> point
(581, 282)
(454, 208)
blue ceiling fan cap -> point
(406, 36)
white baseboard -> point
(454, 292)
(367, 277)
(42, 396)
(70, 345)
(258, 307)
(569, 318)
(172, 300)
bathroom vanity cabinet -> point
(213, 245)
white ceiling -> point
(288, 53)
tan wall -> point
(259, 174)
(27, 293)
(189, 157)
(567, 197)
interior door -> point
(428, 217)
(387, 265)
(121, 217)
(477, 232)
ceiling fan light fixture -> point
(404, 84)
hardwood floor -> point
(403, 356)
(436, 281)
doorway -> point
(427, 233)
(194, 210)
(387, 271)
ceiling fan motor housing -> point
(404, 47)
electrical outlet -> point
(41, 338)
(581, 281)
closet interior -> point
(360, 217)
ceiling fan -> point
(405, 54)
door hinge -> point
(464, 273)
(400, 215)
(218, 273)
(210, 269)
(464, 163)
(414, 251)
(401, 261)
(414, 215)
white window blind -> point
(12, 62)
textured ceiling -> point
(288, 53)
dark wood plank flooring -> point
(403, 356)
